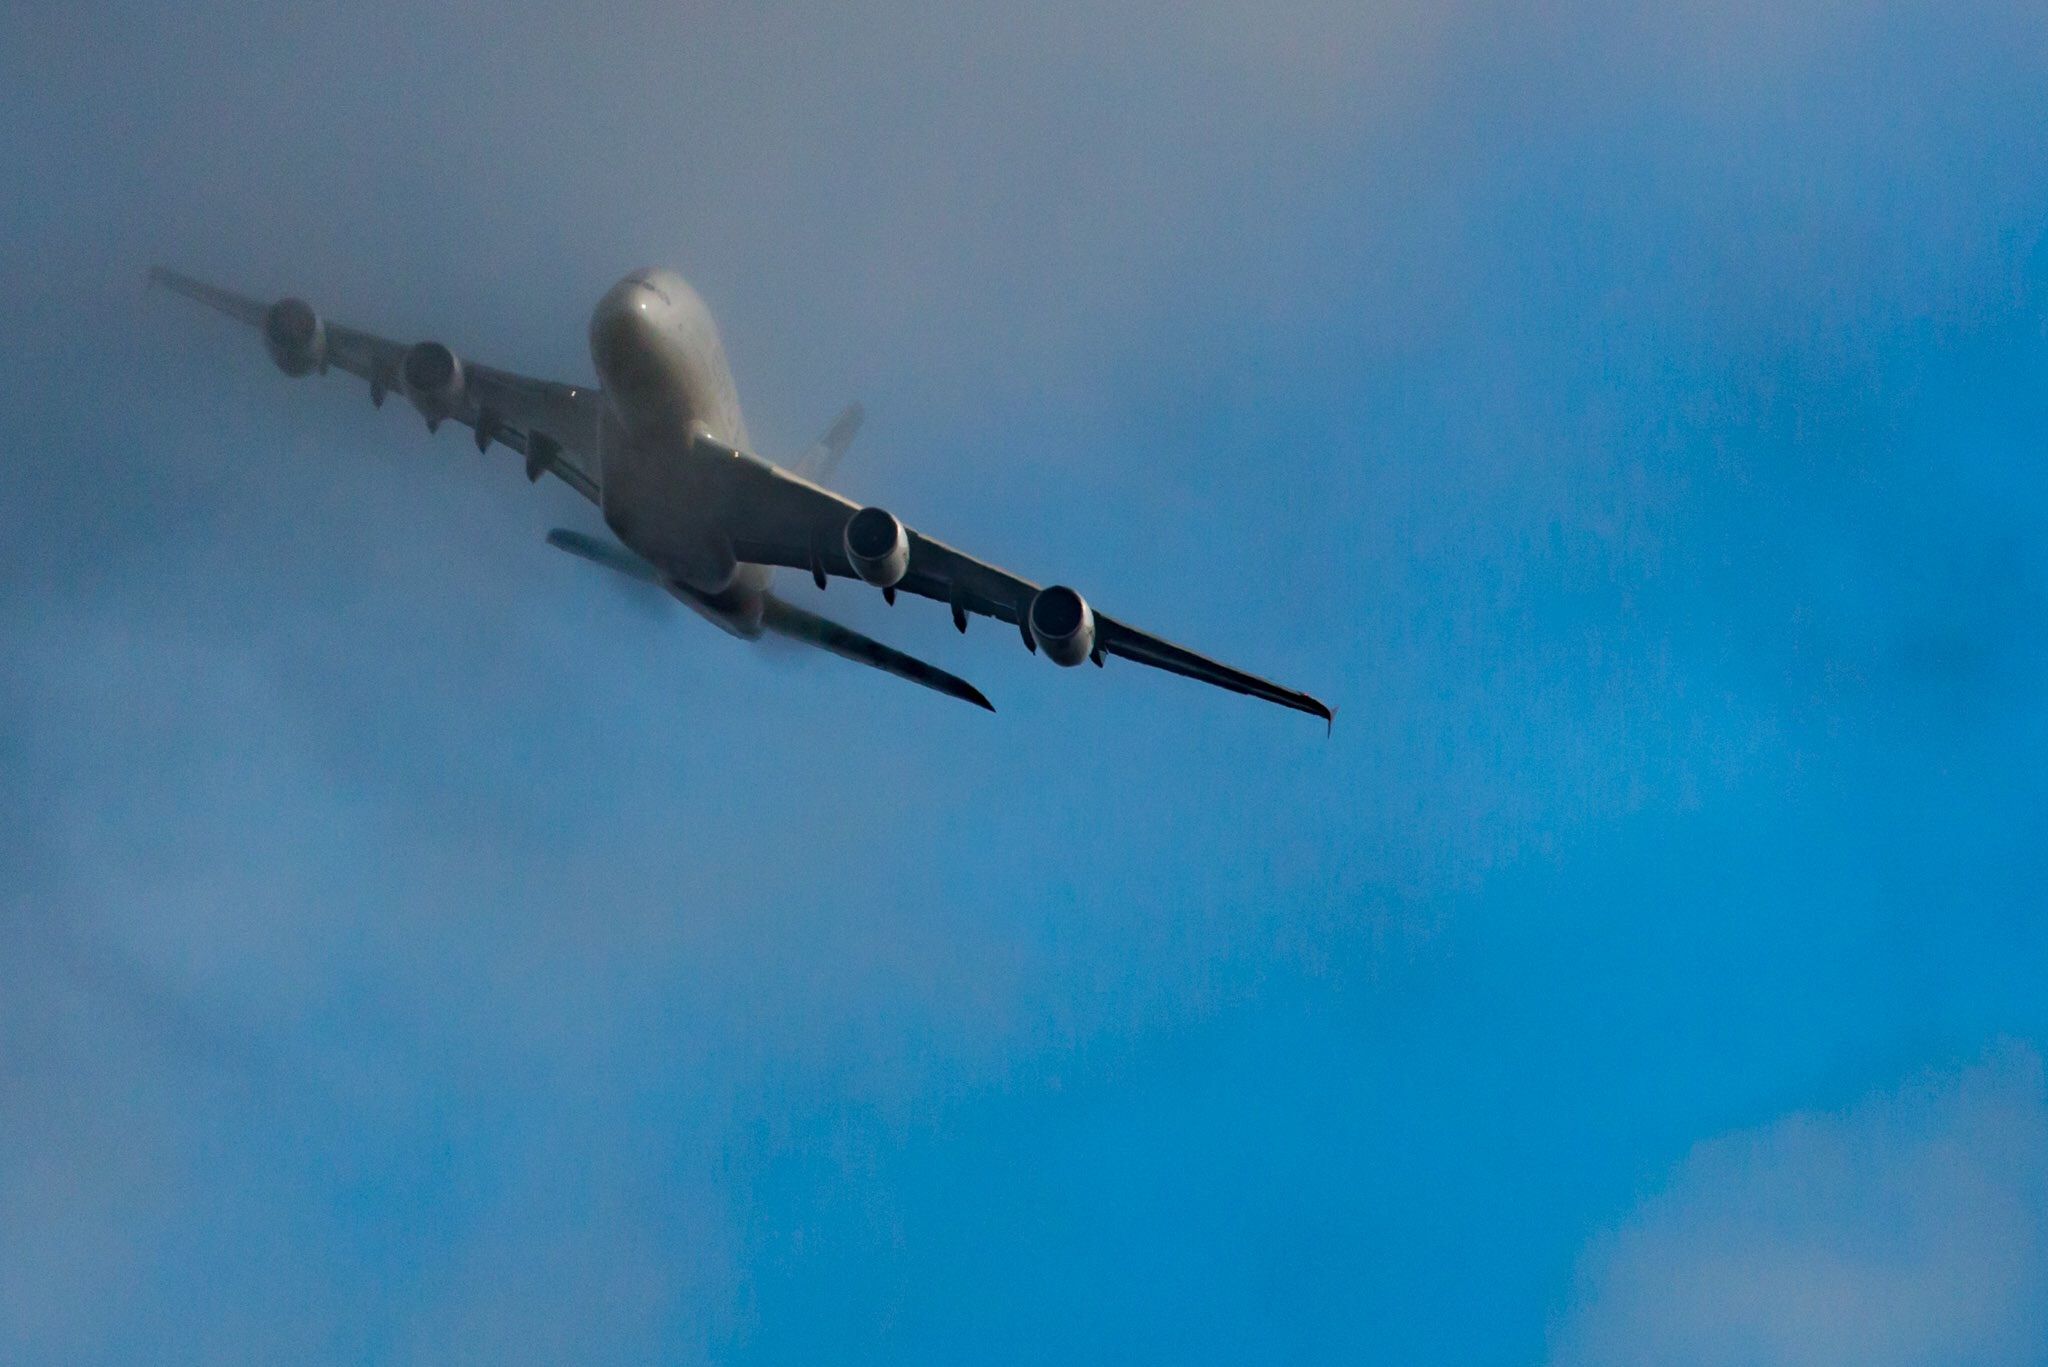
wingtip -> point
(1316, 707)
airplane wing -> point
(778, 518)
(554, 426)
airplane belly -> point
(660, 502)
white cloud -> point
(1909, 1228)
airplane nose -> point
(623, 328)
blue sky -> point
(414, 949)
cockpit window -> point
(651, 278)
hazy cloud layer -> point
(1909, 1228)
(412, 950)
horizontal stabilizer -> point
(785, 619)
(608, 554)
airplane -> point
(660, 447)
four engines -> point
(1063, 624)
(295, 337)
(877, 547)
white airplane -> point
(661, 449)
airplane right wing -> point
(775, 517)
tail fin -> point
(820, 462)
(784, 619)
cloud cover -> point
(1908, 1228)
(414, 953)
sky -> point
(415, 948)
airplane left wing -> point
(777, 518)
(554, 426)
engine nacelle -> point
(432, 376)
(1063, 625)
(295, 337)
(878, 547)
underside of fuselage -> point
(667, 387)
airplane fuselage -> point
(673, 413)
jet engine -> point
(432, 375)
(295, 337)
(1063, 625)
(878, 547)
